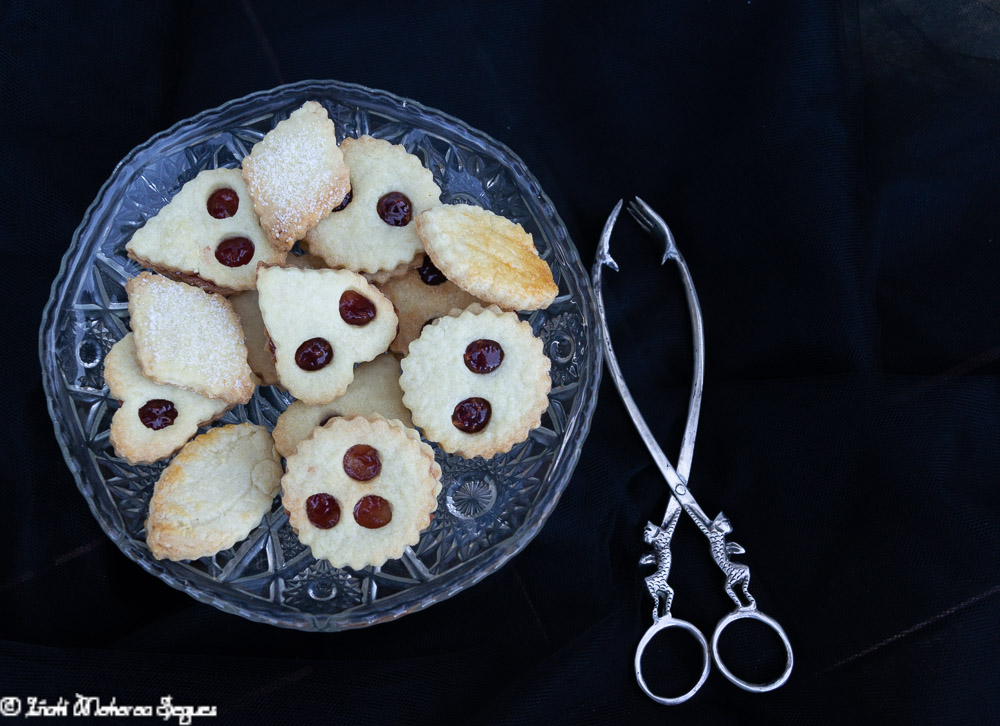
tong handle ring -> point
(752, 613)
(668, 621)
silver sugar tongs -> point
(659, 537)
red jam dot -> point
(346, 200)
(157, 414)
(323, 511)
(234, 252)
(429, 272)
(314, 354)
(395, 209)
(362, 462)
(356, 309)
(471, 415)
(223, 203)
(483, 356)
(372, 512)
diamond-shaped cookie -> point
(188, 337)
(488, 256)
(296, 174)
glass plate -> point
(488, 509)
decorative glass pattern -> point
(488, 510)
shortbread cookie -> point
(260, 350)
(375, 230)
(188, 337)
(213, 493)
(208, 235)
(421, 296)
(487, 256)
(296, 174)
(321, 323)
(153, 420)
(398, 271)
(305, 261)
(375, 391)
(476, 382)
(358, 491)
(259, 354)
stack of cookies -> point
(400, 314)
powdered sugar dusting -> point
(292, 173)
(296, 173)
(189, 338)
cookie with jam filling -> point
(476, 381)
(421, 296)
(321, 323)
(208, 235)
(373, 232)
(153, 419)
(359, 490)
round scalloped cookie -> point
(187, 241)
(488, 256)
(374, 391)
(166, 428)
(419, 302)
(443, 390)
(213, 493)
(356, 237)
(189, 338)
(296, 174)
(372, 516)
(306, 315)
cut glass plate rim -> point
(443, 586)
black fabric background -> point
(830, 172)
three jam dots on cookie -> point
(359, 490)
(361, 463)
